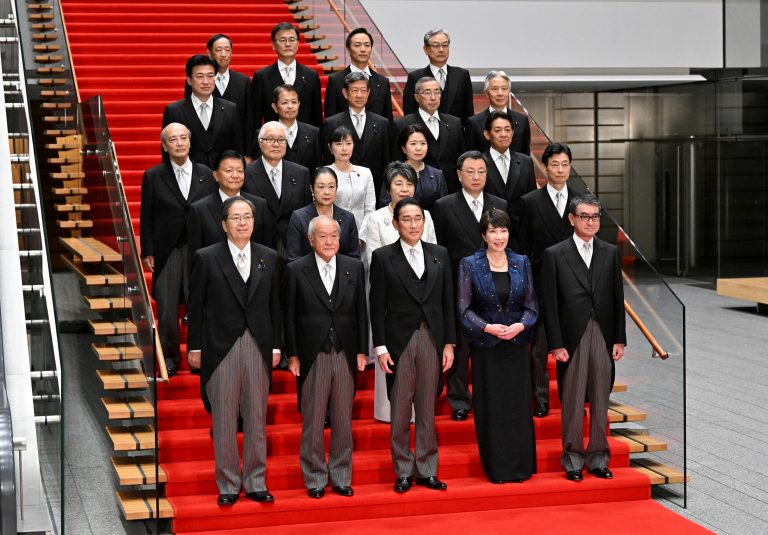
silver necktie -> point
(181, 177)
(434, 126)
(220, 84)
(588, 253)
(559, 203)
(327, 278)
(476, 209)
(441, 77)
(241, 265)
(205, 118)
(358, 124)
(291, 137)
(413, 259)
(288, 77)
(503, 168)
(275, 181)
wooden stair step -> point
(638, 440)
(311, 38)
(52, 36)
(132, 438)
(138, 505)
(107, 302)
(58, 119)
(40, 16)
(66, 176)
(52, 70)
(75, 207)
(65, 160)
(43, 26)
(128, 408)
(91, 249)
(138, 470)
(46, 48)
(74, 223)
(58, 132)
(112, 328)
(94, 275)
(619, 387)
(618, 412)
(57, 106)
(122, 379)
(41, 6)
(115, 352)
(659, 473)
(48, 58)
(297, 8)
(70, 191)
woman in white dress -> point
(377, 230)
(356, 192)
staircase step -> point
(108, 303)
(72, 207)
(138, 470)
(122, 379)
(91, 250)
(138, 505)
(132, 438)
(94, 274)
(69, 191)
(128, 408)
(638, 440)
(618, 412)
(74, 223)
(112, 328)
(116, 352)
(657, 472)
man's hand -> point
(561, 354)
(510, 331)
(447, 357)
(618, 351)
(275, 357)
(294, 366)
(194, 358)
(385, 361)
(362, 361)
(149, 263)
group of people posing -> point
(411, 244)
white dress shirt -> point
(291, 131)
(186, 182)
(582, 251)
(496, 157)
(475, 203)
(361, 127)
(282, 66)
(235, 252)
(222, 81)
(196, 103)
(366, 71)
(321, 265)
(553, 195)
(434, 127)
(268, 168)
(224, 196)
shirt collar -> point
(469, 198)
(435, 68)
(224, 196)
(425, 116)
(352, 68)
(196, 102)
(407, 248)
(225, 74)
(580, 243)
(269, 168)
(491, 110)
(321, 263)
(352, 113)
(293, 129)
(234, 251)
(282, 66)
(495, 154)
(186, 166)
(552, 192)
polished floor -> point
(727, 423)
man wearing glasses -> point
(454, 81)
(283, 184)
(286, 70)
(584, 319)
(445, 137)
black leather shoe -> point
(459, 415)
(227, 499)
(403, 484)
(541, 411)
(431, 482)
(574, 475)
(171, 369)
(343, 491)
(316, 493)
(260, 496)
(602, 472)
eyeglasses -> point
(586, 217)
(273, 140)
(431, 93)
(473, 172)
(439, 46)
(408, 220)
(286, 40)
(246, 218)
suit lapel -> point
(404, 271)
(170, 180)
(274, 76)
(370, 132)
(196, 188)
(513, 177)
(316, 282)
(550, 217)
(257, 265)
(577, 265)
(450, 89)
(344, 279)
(431, 266)
(495, 178)
(442, 141)
(232, 276)
(599, 262)
(214, 210)
(288, 187)
(193, 121)
(464, 215)
(265, 190)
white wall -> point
(545, 36)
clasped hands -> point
(504, 332)
(385, 360)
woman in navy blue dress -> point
(497, 308)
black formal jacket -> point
(221, 307)
(372, 151)
(294, 193)
(310, 312)
(379, 98)
(163, 213)
(429, 187)
(541, 227)
(521, 137)
(238, 91)
(520, 180)
(297, 243)
(457, 229)
(306, 82)
(397, 305)
(204, 223)
(457, 96)
(306, 150)
(224, 130)
(443, 152)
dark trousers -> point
(171, 288)
(539, 373)
(458, 377)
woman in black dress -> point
(497, 308)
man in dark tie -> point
(167, 191)
(234, 337)
(584, 317)
(371, 132)
(283, 184)
(213, 122)
(413, 324)
(326, 338)
(359, 44)
(497, 89)
(204, 220)
(445, 137)
(286, 70)
(510, 173)
(454, 82)
(457, 227)
(543, 223)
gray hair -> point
(272, 124)
(321, 219)
(433, 32)
(421, 81)
(353, 77)
(584, 198)
(496, 74)
(162, 132)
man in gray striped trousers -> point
(326, 335)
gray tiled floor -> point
(727, 424)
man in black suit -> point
(283, 184)
(286, 70)
(497, 89)
(456, 219)
(359, 44)
(510, 173)
(167, 191)
(371, 132)
(303, 139)
(543, 223)
(584, 317)
(204, 220)
(445, 137)
(213, 122)
(413, 324)
(234, 337)
(326, 338)
(455, 82)
(230, 85)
